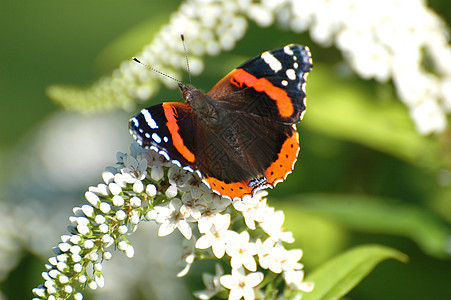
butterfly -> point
(241, 136)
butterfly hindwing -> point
(244, 154)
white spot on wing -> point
(291, 74)
(188, 168)
(148, 117)
(302, 114)
(284, 82)
(273, 62)
(208, 185)
(156, 138)
(288, 50)
(165, 139)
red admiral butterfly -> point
(240, 136)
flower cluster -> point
(144, 186)
(381, 39)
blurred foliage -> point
(381, 124)
(367, 214)
(364, 175)
(335, 278)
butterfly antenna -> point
(186, 55)
(155, 70)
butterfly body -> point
(240, 136)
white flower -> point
(92, 198)
(40, 291)
(121, 215)
(156, 173)
(285, 260)
(216, 234)
(122, 180)
(241, 285)
(135, 201)
(178, 176)
(108, 175)
(78, 296)
(88, 210)
(261, 15)
(194, 186)
(120, 157)
(100, 280)
(152, 158)
(87, 244)
(188, 256)
(276, 258)
(118, 200)
(102, 189)
(133, 169)
(429, 117)
(151, 190)
(170, 218)
(254, 209)
(265, 254)
(192, 207)
(92, 285)
(114, 188)
(295, 280)
(130, 251)
(242, 252)
(212, 284)
(272, 225)
(138, 187)
(215, 203)
(171, 191)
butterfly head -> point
(189, 93)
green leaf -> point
(320, 237)
(344, 110)
(340, 275)
(365, 213)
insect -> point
(241, 136)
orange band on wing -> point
(170, 113)
(274, 174)
(283, 102)
(232, 190)
(284, 164)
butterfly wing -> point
(169, 129)
(257, 142)
(270, 85)
(245, 154)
